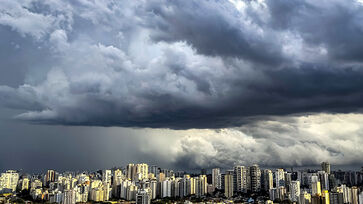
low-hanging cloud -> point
(276, 142)
(178, 64)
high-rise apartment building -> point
(240, 179)
(347, 193)
(273, 194)
(281, 192)
(288, 179)
(360, 198)
(324, 180)
(295, 191)
(228, 184)
(216, 178)
(355, 192)
(315, 188)
(166, 188)
(130, 171)
(325, 197)
(154, 169)
(50, 177)
(69, 197)
(280, 177)
(255, 178)
(9, 181)
(25, 184)
(325, 166)
(267, 180)
(142, 171)
(203, 184)
(143, 197)
(336, 198)
(153, 186)
(107, 176)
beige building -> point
(228, 184)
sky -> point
(180, 84)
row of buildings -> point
(143, 183)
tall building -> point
(273, 194)
(288, 180)
(25, 184)
(216, 179)
(117, 179)
(267, 180)
(202, 184)
(281, 192)
(154, 169)
(324, 180)
(166, 188)
(222, 181)
(240, 179)
(142, 197)
(325, 197)
(131, 192)
(315, 188)
(332, 181)
(69, 197)
(9, 181)
(347, 193)
(107, 190)
(325, 166)
(136, 172)
(107, 176)
(36, 183)
(186, 185)
(197, 187)
(355, 192)
(255, 178)
(280, 177)
(295, 191)
(191, 186)
(153, 186)
(313, 178)
(228, 184)
(336, 198)
(175, 191)
(130, 171)
(50, 177)
(360, 198)
(142, 171)
(124, 187)
(161, 177)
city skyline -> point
(182, 84)
(189, 171)
(145, 184)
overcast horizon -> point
(180, 84)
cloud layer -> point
(277, 142)
(181, 64)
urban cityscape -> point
(181, 101)
(143, 183)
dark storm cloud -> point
(213, 28)
(334, 24)
(20, 55)
(184, 64)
